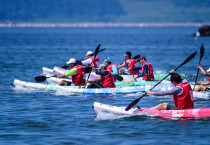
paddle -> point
(119, 78)
(95, 54)
(201, 55)
(79, 61)
(137, 100)
(42, 78)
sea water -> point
(28, 117)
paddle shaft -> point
(197, 74)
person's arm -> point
(87, 61)
(105, 73)
(173, 91)
(203, 71)
(204, 83)
(144, 72)
(136, 68)
(122, 65)
(115, 70)
(69, 73)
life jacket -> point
(132, 64)
(79, 77)
(185, 99)
(209, 79)
(107, 81)
(149, 76)
(109, 68)
(96, 62)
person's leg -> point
(162, 106)
(94, 85)
(62, 83)
(129, 80)
(200, 88)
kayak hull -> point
(185, 113)
(101, 91)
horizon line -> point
(99, 24)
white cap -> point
(89, 53)
(208, 70)
(72, 60)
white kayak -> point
(185, 113)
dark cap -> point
(142, 57)
(128, 53)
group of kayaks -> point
(121, 88)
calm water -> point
(44, 118)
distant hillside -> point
(105, 10)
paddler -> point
(77, 72)
(107, 80)
(182, 94)
(129, 63)
(112, 68)
(147, 71)
(90, 59)
(203, 86)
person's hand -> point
(92, 65)
(196, 83)
(150, 92)
(129, 69)
(172, 72)
(199, 66)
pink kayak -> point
(185, 113)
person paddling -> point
(112, 68)
(90, 59)
(147, 71)
(129, 63)
(182, 94)
(106, 80)
(203, 86)
(77, 72)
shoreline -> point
(22, 25)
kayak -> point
(185, 113)
(99, 91)
(81, 90)
(156, 76)
(22, 85)
(58, 70)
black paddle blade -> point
(202, 51)
(88, 69)
(137, 57)
(65, 67)
(40, 78)
(97, 49)
(134, 102)
(119, 78)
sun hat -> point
(72, 60)
(89, 53)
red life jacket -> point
(185, 99)
(132, 64)
(149, 76)
(109, 68)
(209, 79)
(95, 62)
(107, 81)
(79, 77)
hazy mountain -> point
(105, 10)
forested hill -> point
(105, 10)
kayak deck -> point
(185, 113)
